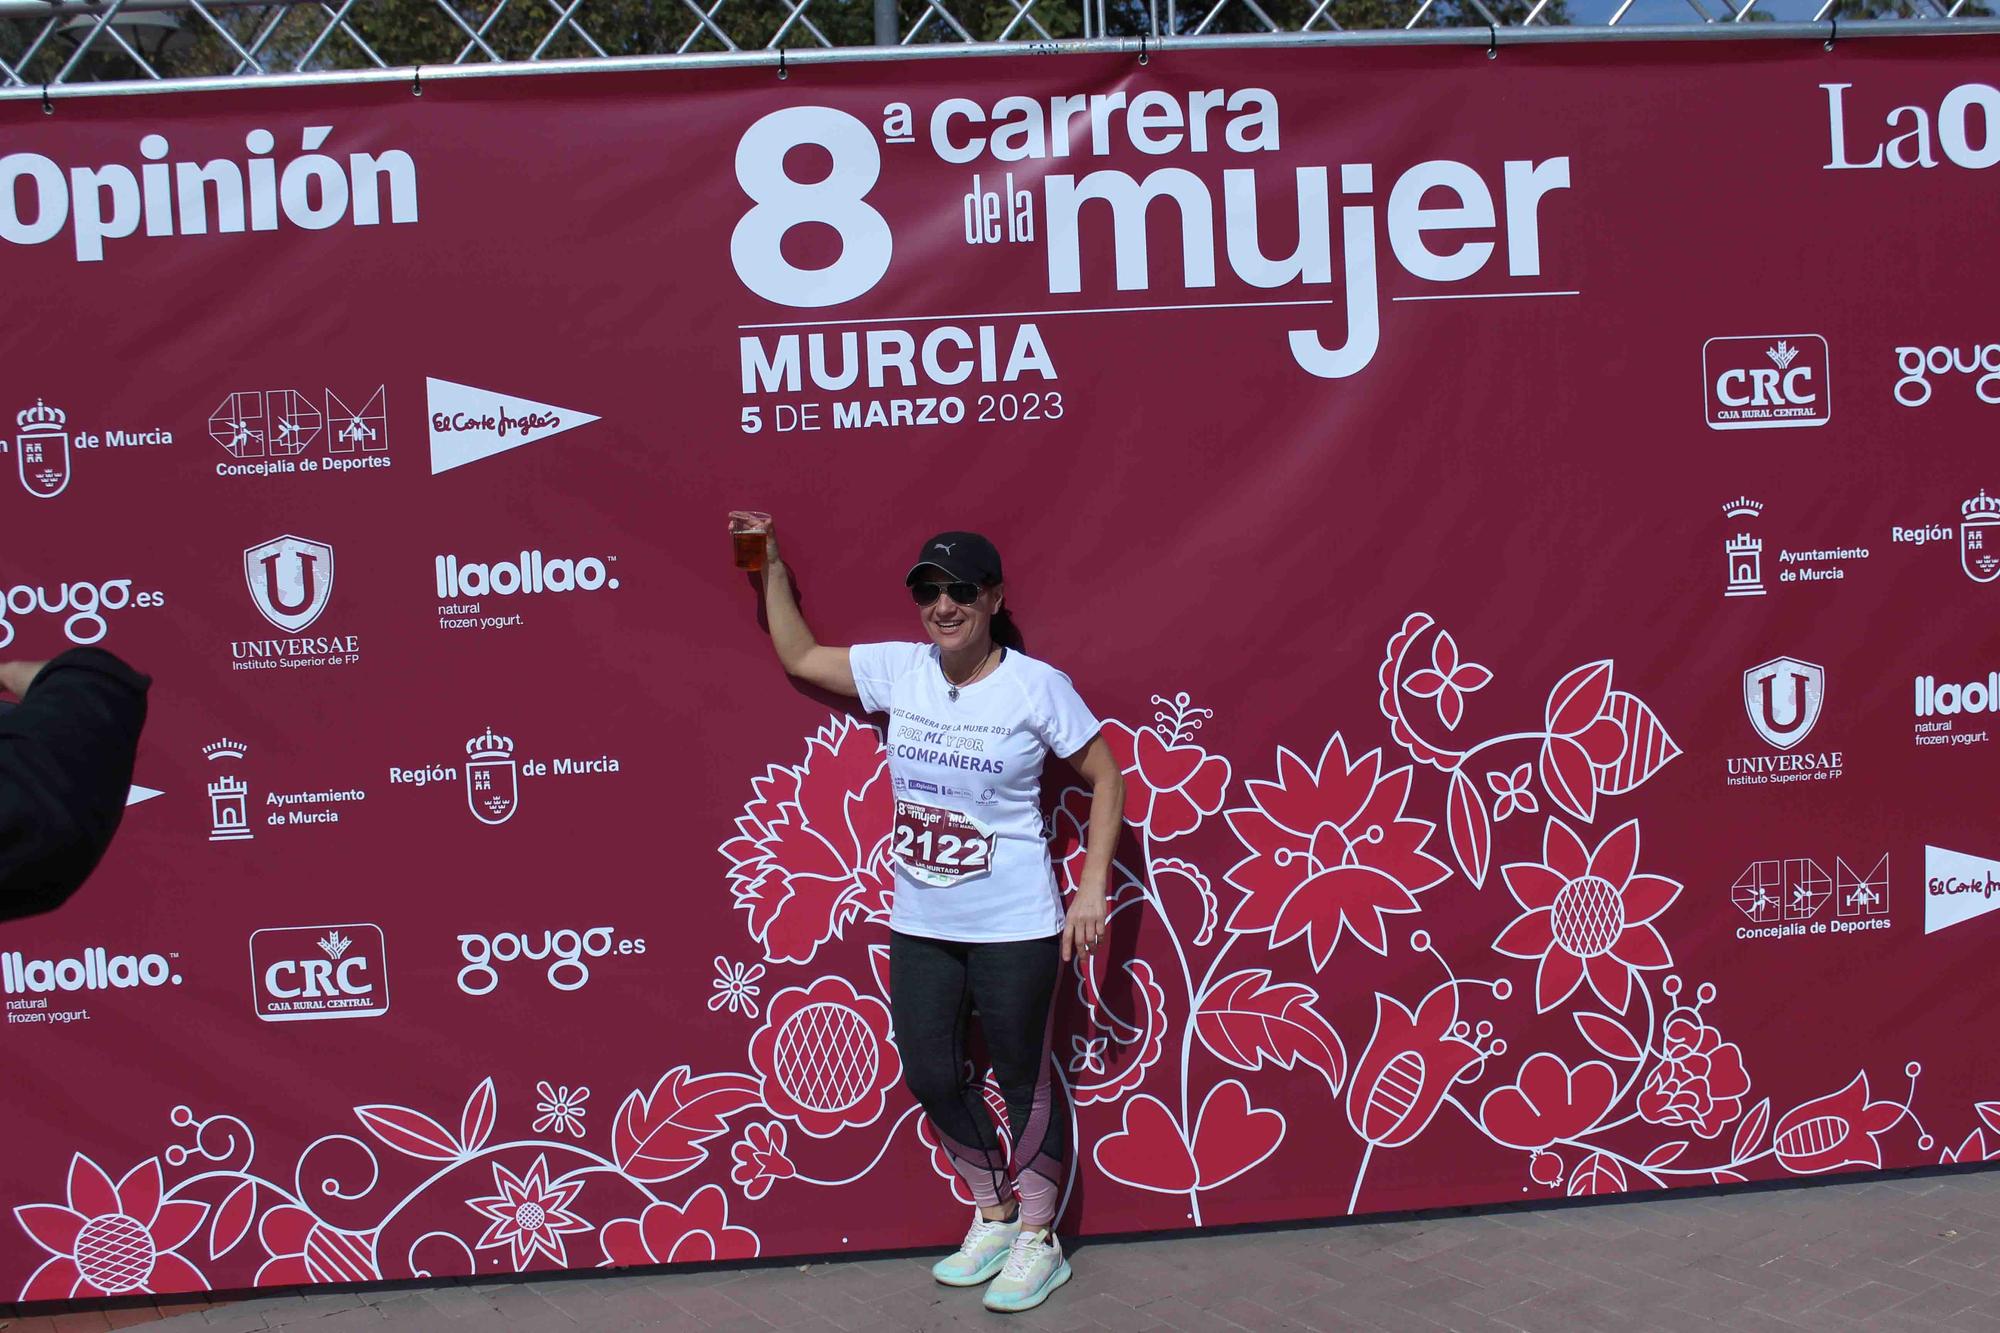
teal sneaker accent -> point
(1035, 1267)
(980, 1255)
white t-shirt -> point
(971, 862)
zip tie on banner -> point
(1833, 36)
(1142, 48)
(48, 107)
(783, 73)
(417, 81)
(1492, 42)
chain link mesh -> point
(55, 42)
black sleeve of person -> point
(66, 753)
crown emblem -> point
(334, 945)
(1743, 507)
(1980, 506)
(1743, 545)
(1783, 354)
(41, 419)
(489, 746)
(225, 749)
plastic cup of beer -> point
(747, 529)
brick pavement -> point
(1914, 1251)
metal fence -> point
(107, 45)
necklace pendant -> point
(952, 694)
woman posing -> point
(977, 920)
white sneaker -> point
(1035, 1267)
(980, 1255)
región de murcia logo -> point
(45, 449)
(1978, 537)
(493, 775)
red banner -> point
(1529, 521)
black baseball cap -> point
(965, 556)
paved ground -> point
(1918, 1252)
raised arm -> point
(798, 652)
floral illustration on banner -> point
(562, 1110)
(1276, 958)
(529, 1216)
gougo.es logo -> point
(567, 953)
(82, 604)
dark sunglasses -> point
(965, 594)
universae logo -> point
(1783, 698)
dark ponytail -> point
(1005, 632)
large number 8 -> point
(781, 203)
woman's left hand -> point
(1083, 929)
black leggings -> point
(934, 986)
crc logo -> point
(302, 973)
(1768, 382)
(284, 423)
(565, 951)
(1783, 698)
(290, 580)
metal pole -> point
(1537, 36)
(885, 23)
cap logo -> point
(946, 546)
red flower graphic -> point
(698, 1231)
(1330, 852)
(1410, 1063)
(1448, 680)
(1548, 1102)
(1974, 1149)
(1834, 1131)
(112, 1240)
(304, 1249)
(1587, 914)
(760, 1159)
(1151, 1151)
(812, 847)
(529, 1214)
(1511, 794)
(1700, 1082)
(825, 1058)
(1170, 786)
